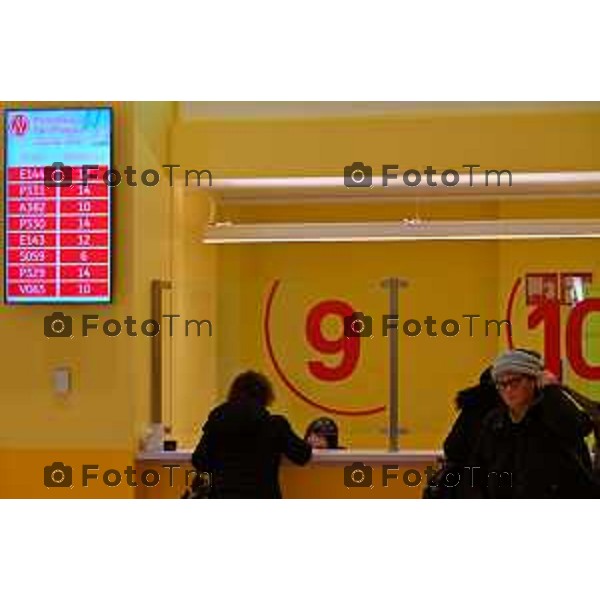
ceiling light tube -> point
(407, 230)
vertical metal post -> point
(393, 284)
(156, 364)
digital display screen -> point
(57, 206)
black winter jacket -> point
(241, 447)
(542, 456)
(474, 404)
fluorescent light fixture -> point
(479, 180)
(561, 184)
(403, 231)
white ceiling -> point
(269, 110)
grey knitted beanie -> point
(517, 361)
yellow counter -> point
(329, 474)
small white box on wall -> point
(61, 378)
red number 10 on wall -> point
(548, 314)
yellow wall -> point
(544, 141)
(191, 360)
(151, 236)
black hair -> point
(251, 386)
(486, 380)
(327, 428)
(481, 395)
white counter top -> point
(321, 456)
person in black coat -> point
(473, 404)
(533, 444)
(242, 443)
(592, 409)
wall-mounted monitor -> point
(57, 206)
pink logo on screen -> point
(19, 125)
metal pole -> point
(393, 284)
(156, 366)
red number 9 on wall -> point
(348, 347)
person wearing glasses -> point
(473, 404)
(533, 444)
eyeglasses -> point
(510, 382)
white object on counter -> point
(153, 442)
